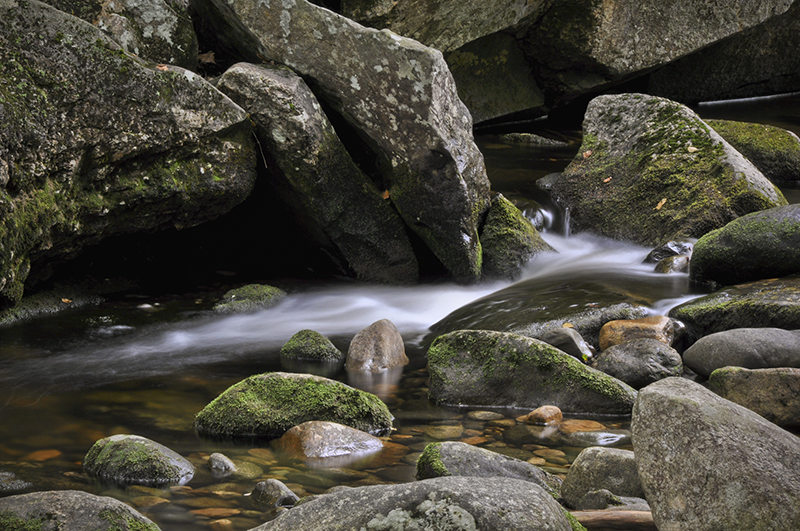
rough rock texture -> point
(317, 439)
(267, 405)
(97, 143)
(376, 348)
(461, 459)
(452, 503)
(772, 393)
(249, 298)
(495, 368)
(640, 362)
(771, 303)
(657, 327)
(134, 460)
(221, 465)
(316, 175)
(400, 97)
(598, 468)
(751, 348)
(706, 463)
(269, 494)
(760, 245)
(156, 30)
(650, 170)
(69, 510)
(774, 151)
(509, 240)
(9, 483)
(311, 345)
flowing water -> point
(146, 364)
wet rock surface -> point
(134, 460)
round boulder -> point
(596, 468)
(318, 439)
(640, 362)
(656, 327)
(134, 460)
(270, 494)
(249, 298)
(376, 348)
(311, 345)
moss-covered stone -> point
(650, 170)
(774, 151)
(249, 298)
(267, 405)
(509, 240)
(760, 245)
(134, 460)
(482, 368)
(429, 463)
(311, 345)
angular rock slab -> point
(772, 393)
(399, 95)
(267, 405)
(318, 174)
(650, 170)
(134, 460)
(706, 463)
(70, 510)
(477, 368)
(96, 143)
(599, 468)
(759, 245)
(452, 503)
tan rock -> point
(656, 327)
(545, 415)
(574, 426)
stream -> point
(146, 363)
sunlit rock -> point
(376, 348)
(657, 327)
(318, 440)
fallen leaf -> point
(206, 58)
(163, 68)
(692, 149)
(386, 194)
(607, 180)
(660, 204)
(587, 154)
(66, 301)
(568, 325)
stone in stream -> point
(267, 405)
(570, 341)
(311, 345)
(69, 510)
(750, 348)
(640, 362)
(460, 459)
(753, 247)
(596, 468)
(400, 98)
(669, 249)
(706, 463)
(97, 143)
(477, 367)
(453, 503)
(270, 494)
(134, 460)
(318, 439)
(376, 348)
(249, 298)
(221, 465)
(772, 393)
(650, 169)
(673, 264)
(658, 327)
(544, 416)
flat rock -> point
(750, 348)
(772, 393)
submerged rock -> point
(267, 405)
(98, 143)
(249, 298)
(376, 348)
(70, 510)
(611, 469)
(311, 345)
(134, 460)
(453, 503)
(318, 440)
(400, 97)
(650, 170)
(269, 494)
(750, 348)
(772, 393)
(759, 245)
(494, 368)
(706, 463)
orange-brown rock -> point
(545, 415)
(656, 327)
(574, 426)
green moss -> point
(121, 521)
(309, 344)
(11, 522)
(250, 298)
(429, 463)
(576, 525)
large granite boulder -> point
(773, 303)
(640, 362)
(760, 245)
(69, 510)
(133, 460)
(706, 463)
(316, 175)
(751, 348)
(597, 468)
(484, 368)
(267, 405)
(772, 393)
(650, 170)
(400, 98)
(774, 151)
(97, 143)
(156, 30)
(453, 503)
(461, 459)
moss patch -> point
(311, 345)
(774, 151)
(429, 464)
(250, 298)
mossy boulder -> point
(267, 405)
(774, 151)
(650, 170)
(509, 240)
(773, 303)
(484, 368)
(134, 460)
(311, 345)
(97, 143)
(69, 510)
(760, 245)
(249, 298)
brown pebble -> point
(574, 426)
(221, 525)
(42, 455)
(544, 416)
(216, 512)
(474, 440)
